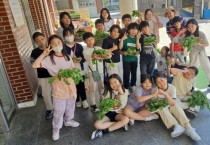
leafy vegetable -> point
(198, 98)
(108, 104)
(149, 40)
(99, 36)
(188, 42)
(68, 73)
(157, 104)
(102, 54)
(132, 51)
(135, 13)
(80, 32)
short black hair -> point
(66, 30)
(143, 24)
(37, 34)
(99, 21)
(159, 75)
(126, 16)
(115, 26)
(145, 77)
(87, 35)
(176, 19)
(133, 26)
(195, 69)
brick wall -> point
(16, 46)
(53, 12)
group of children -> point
(61, 49)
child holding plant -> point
(75, 50)
(198, 53)
(135, 108)
(174, 114)
(97, 66)
(111, 44)
(114, 119)
(54, 59)
(130, 41)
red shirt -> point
(177, 47)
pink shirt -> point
(59, 89)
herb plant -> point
(157, 104)
(188, 42)
(149, 40)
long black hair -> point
(105, 9)
(62, 14)
(194, 22)
(147, 10)
(64, 52)
(108, 88)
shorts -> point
(111, 115)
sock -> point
(105, 131)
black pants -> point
(81, 91)
(129, 67)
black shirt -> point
(107, 44)
(41, 72)
(178, 66)
(147, 52)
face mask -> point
(57, 48)
(69, 39)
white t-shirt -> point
(171, 91)
(161, 63)
(108, 24)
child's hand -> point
(155, 93)
(125, 36)
(115, 47)
(182, 31)
(124, 53)
(47, 51)
(138, 36)
(161, 92)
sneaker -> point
(192, 134)
(152, 117)
(191, 114)
(126, 127)
(94, 108)
(78, 104)
(71, 123)
(96, 134)
(85, 104)
(49, 114)
(55, 135)
(131, 122)
(178, 130)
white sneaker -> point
(55, 135)
(126, 127)
(131, 122)
(78, 104)
(85, 104)
(152, 117)
(178, 130)
(192, 134)
(71, 123)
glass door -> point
(7, 102)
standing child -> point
(88, 38)
(111, 44)
(43, 74)
(198, 53)
(106, 17)
(130, 64)
(126, 20)
(75, 50)
(55, 59)
(135, 109)
(114, 119)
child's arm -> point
(122, 39)
(170, 100)
(175, 71)
(172, 48)
(138, 36)
(145, 98)
(37, 62)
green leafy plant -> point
(106, 105)
(157, 104)
(132, 51)
(68, 73)
(99, 36)
(80, 32)
(102, 54)
(188, 42)
(149, 40)
(135, 13)
(198, 98)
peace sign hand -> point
(125, 36)
(47, 51)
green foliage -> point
(106, 105)
(157, 104)
(188, 42)
(135, 13)
(149, 40)
(68, 73)
(198, 98)
(99, 36)
(80, 32)
(132, 51)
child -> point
(154, 25)
(114, 119)
(75, 51)
(175, 63)
(130, 40)
(111, 44)
(43, 75)
(176, 50)
(198, 53)
(106, 17)
(126, 20)
(88, 38)
(174, 113)
(65, 21)
(148, 53)
(183, 81)
(99, 24)
(135, 107)
(54, 59)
